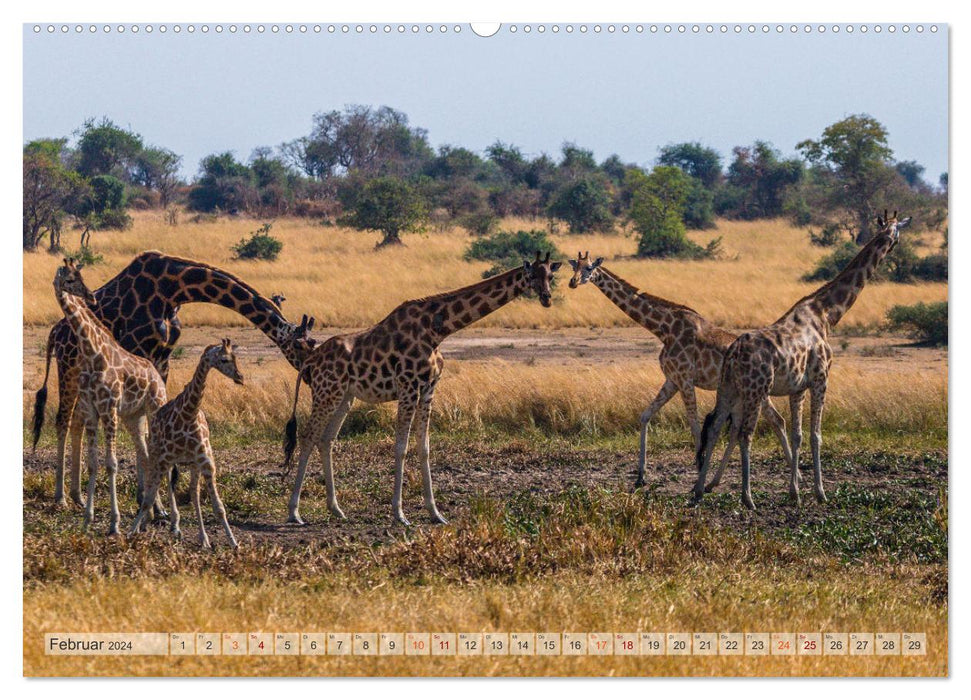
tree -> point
(107, 149)
(854, 154)
(912, 172)
(51, 191)
(157, 169)
(386, 204)
(694, 159)
(224, 184)
(657, 213)
(584, 203)
(757, 182)
(372, 141)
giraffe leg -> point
(197, 505)
(209, 474)
(153, 481)
(778, 424)
(407, 404)
(64, 425)
(111, 465)
(748, 419)
(77, 440)
(320, 417)
(91, 433)
(817, 399)
(668, 390)
(795, 442)
(423, 418)
(326, 448)
(175, 517)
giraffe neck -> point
(452, 311)
(94, 339)
(654, 313)
(160, 284)
(191, 397)
(835, 298)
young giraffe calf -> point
(180, 435)
(113, 385)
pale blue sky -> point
(626, 94)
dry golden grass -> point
(699, 598)
(336, 275)
(576, 398)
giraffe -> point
(691, 356)
(140, 307)
(789, 358)
(397, 360)
(113, 385)
(278, 299)
(179, 434)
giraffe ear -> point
(903, 223)
(527, 265)
(554, 266)
(598, 262)
(574, 264)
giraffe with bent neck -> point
(789, 358)
(396, 360)
(140, 306)
(113, 384)
(179, 434)
(691, 356)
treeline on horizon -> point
(369, 168)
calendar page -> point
(514, 349)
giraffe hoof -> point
(78, 501)
(640, 483)
(821, 497)
(338, 513)
(295, 520)
(403, 520)
(711, 487)
(748, 503)
(439, 519)
(113, 531)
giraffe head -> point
(296, 339)
(68, 280)
(539, 276)
(890, 226)
(222, 359)
(583, 269)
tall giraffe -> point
(397, 360)
(113, 385)
(691, 354)
(140, 307)
(789, 358)
(179, 434)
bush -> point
(584, 204)
(481, 222)
(114, 219)
(928, 322)
(827, 237)
(657, 213)
(508, 249)
(259, 246)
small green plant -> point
(481, 222)
(828, 236)
(177, 353)
(259, 246)
(927, 322)
(508, 249)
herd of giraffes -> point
(113, 345)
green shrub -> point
(259, 246)
(928, 322)
(828, 236)
(481, 222)
(584, 204)
(657, 212)
(508, 249)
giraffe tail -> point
(707, 437)
(40, 398)
(290, 432)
